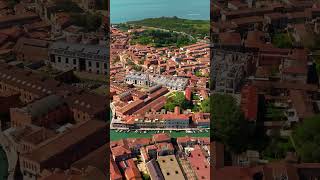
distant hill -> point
(196, 28)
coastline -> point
(155, 17)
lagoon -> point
(130, 10)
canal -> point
(121, 135)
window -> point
(89, 63)
(105, 65)
(67, 60)
(74, 61)
(168, 173)
(59, 59)
(97, 64)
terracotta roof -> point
(65, 140)
(114, 171)
(120, 150)
(161, 137)
(199, 164)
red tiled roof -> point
(161, 137)
(114, 171)
(199, 164)
(120, 150)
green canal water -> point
(121, 135)
(3, 165)
(114, 136)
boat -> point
(120, 131)
(158, 131)
(145, 132)
(189, 131)
(170, 131)
(136, 131)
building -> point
(142, 79)
(199, 163)
(164, 149)
(130, 169)
(229, 70)
(115, 173)
(162, 137)
(79, 57)
(31, 50)
(154, 170)
(64, 150)
(170, 168)
(44, 112)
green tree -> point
(176, 99)
(205, 105)
(306, 138)
(229, 124)
(277, 148)
(282, 40)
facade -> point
(79, 57)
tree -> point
(205, 105)
(176, 99)
(229, 124)
(282, 40)
(306, 139)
